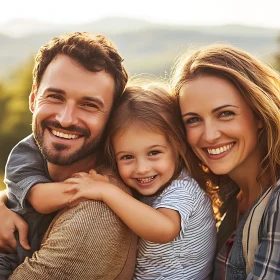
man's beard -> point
(58, 154)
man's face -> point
(70, 110)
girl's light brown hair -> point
(258, 83)
(153, 107)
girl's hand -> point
(87, 185)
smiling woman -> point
(230, 106)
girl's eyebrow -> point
(213, 111)
(150, 147)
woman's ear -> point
(260, 124)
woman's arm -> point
(161, 225)
(10, 222)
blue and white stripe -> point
(190, 255)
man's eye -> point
(90, 105)
(55, 96)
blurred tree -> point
(14, 111)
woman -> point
(230, 105)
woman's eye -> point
(193, 120)
(226, 114)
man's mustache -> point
(72, 128)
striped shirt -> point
(190, 255)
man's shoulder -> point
(27, 144)
(115, 179)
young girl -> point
(173, 215)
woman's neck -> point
(251, 187)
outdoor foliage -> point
(14, 112)
(15, 117)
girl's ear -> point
(32, 99)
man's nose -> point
(67, 115)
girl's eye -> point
(227, 114)
(126, 157)
(154, 153)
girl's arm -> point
(160, 226)
(46, 198)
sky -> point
(264, 13)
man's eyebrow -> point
(52, 89)
(85, 98)
(213, 111)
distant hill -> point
(146, 47)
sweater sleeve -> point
(84, 242)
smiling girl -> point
(173, 215)
(230, 106)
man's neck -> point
(60, 173)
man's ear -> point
(32, 98)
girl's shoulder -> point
(184, 185)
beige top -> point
(84, 242)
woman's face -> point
(220, 125)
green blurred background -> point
(146, 48)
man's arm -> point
(10, 222)
(84, 242)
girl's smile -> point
(146, 161)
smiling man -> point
(77, 78)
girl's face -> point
(220, 125)
(146, 161)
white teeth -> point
(146, 180)
(220, 150)
(64, 135)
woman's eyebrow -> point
(213, 111)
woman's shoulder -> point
(274, 201)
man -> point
(77, 79)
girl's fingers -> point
(74, 198)
(79, 174)
(72, 188)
